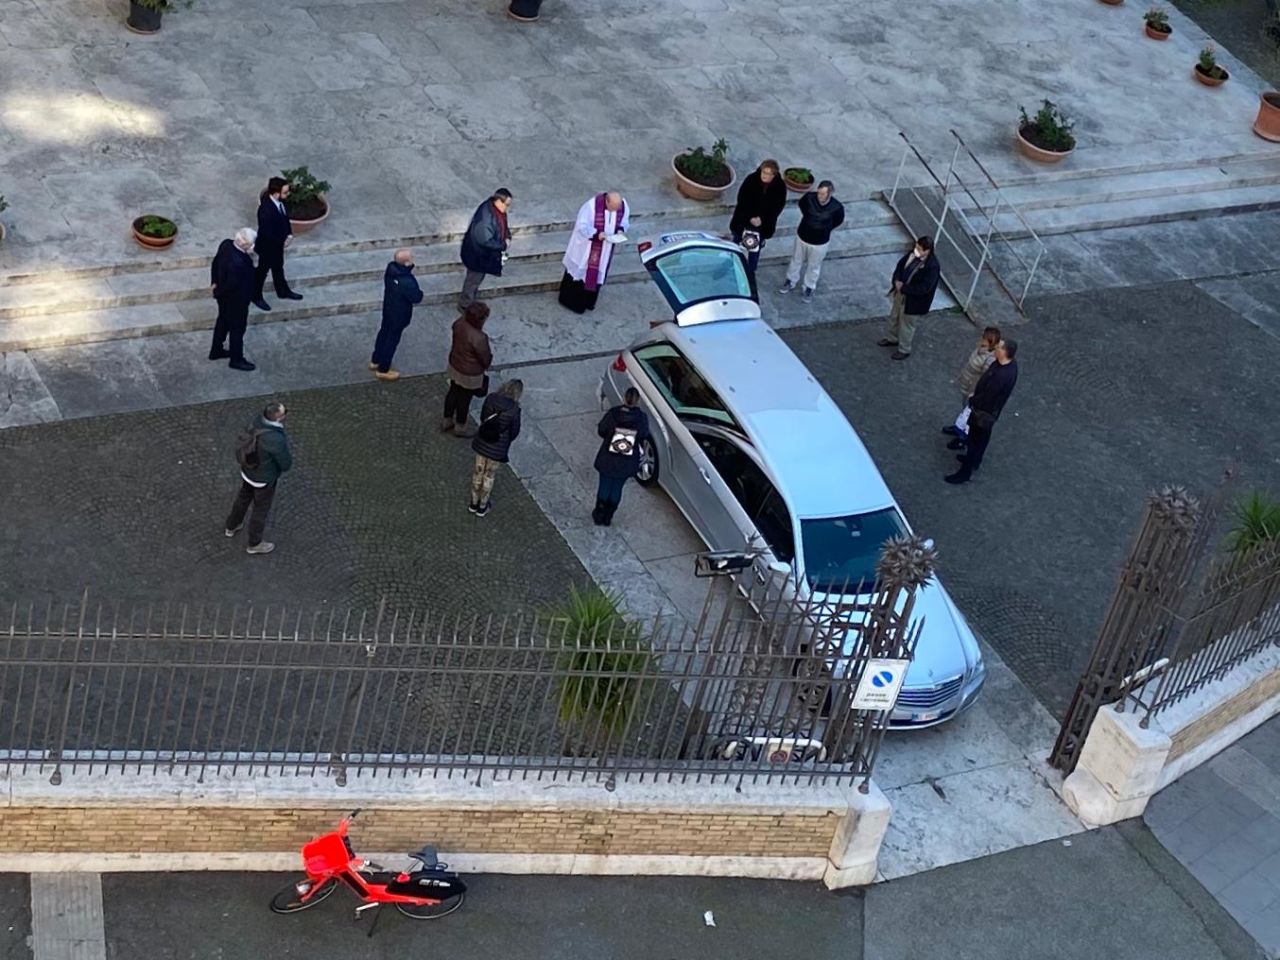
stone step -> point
(365, 295)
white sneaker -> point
(807, 296)
(263, 547)
(786, 287)
(232, 531)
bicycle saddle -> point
(427, 857)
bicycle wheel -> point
(433, 911)
(289, 900)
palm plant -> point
(1257, 522)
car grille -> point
(926, 698)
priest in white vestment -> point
(601, 225)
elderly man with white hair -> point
(231, 279)
(602, 223)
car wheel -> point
(648, 473)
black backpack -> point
(247, 447)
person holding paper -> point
(601, 225)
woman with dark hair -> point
(761, 199)
(499, 426)
(469, 360)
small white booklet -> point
(616, 238)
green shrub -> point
(798, 174)
(1257, 522)
(1157, 19)
(4, 204)
(158, 227)
(1049, 129)
(304, 201)
(708, 169)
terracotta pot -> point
(1155, 34)
(796, 185)
(1267, 126)
(1209, 81)
(302, 226)
(1039, 154)
(698, 191)
(1113, 3)
(152, 243)
(143, 19)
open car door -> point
(702, 277)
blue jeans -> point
(610, 489)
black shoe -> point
(219, 353)
(951, 431)
(289, 296)
(957, 444)
(960, 476)
(261, 304)
(242, 364)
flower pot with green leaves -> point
(1207, 70)
(4, 205)
(308, 200)
(702, 174)
(1046, 137)
(1157, 23)
(154, 232)
(799, 179)
(145, 15)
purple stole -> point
(593, 279)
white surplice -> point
(579, 249)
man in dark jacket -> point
(484, 245)
(267, 456)
(820, 214)
(760, 200)
(275, 232)
(989, 398)
(231, 280)
(400, 291)
(622, 432)
(499, 426)
(915, 281)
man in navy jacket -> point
(400, 291)
(988, 400)
(274, 234)
(231, 279)
(484, 245)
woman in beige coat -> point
(984, 354)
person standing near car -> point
(820, 214)
(915, 281)
(262, 451)
(470, 357)
(983, 355)
(988, 400)
(622, 431)
(499, 426)
(761, 199)
(484, 245)
(400, 292)
(275, 232)
(231, 280)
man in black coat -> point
(915, 281)
(820, 214)
(622, 432)
(484, 245)
(761, 199)
(989, 398)
(400, 291)
(275, 232)
(231, 280)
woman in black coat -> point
(499, 426)
(621, 431)
(761, 199)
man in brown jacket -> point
(469, 360)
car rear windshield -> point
(841, 552)
(702, 273)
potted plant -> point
(308, 202)
(1267, 124)
(145, 15)
(1208, 71)
(153, 232)
(1047, 136)
(525, 11)
(799, 179)
(1157, 22)
(1113, 3)
(4, 205)
(701, 175)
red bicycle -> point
(426, 893)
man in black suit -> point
(988, 400)
(274, 234)
(232, 280)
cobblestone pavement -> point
(15, 916)
(131, 508)
(1118, 393)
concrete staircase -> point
(166, 294)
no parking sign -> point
(880, 683)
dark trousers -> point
(753, 261)
(975, 448)
(470, 288)
(274, 263)
(384, 347)
(260, 498)
(233, 319)
(608, 496)
(457, 403)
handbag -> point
(981, 419)
(483, 389)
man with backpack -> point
(262, 451)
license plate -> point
(924, 717)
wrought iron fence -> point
(760, 689)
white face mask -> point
(919, 253)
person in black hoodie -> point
(761, 198)
(400, 291)
(989, 398)
(275, 232)
(499, 426)
(820, 214)
(621, 432)
(915, 281)
(231, 282)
